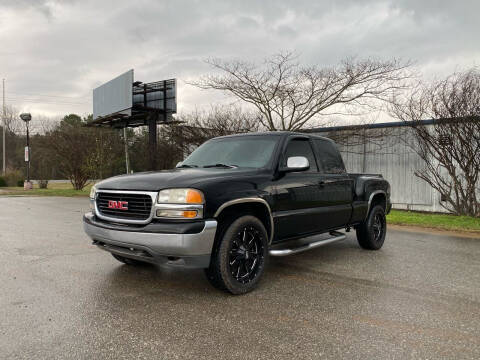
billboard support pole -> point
(152, 140)
(127, 160)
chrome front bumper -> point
(185, 250)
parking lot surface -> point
(418, 298)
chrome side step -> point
(337, 236)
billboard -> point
(159, 95)
(114, 96)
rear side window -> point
(329, 157)
(301, 147)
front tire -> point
(239, 258)
(371, 233)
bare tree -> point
(450, 147)
(290, 96)
(199, 126)
(13, 123)
(191, 129)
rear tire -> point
(127, 261)
(239, 258)
(371, 233)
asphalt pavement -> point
(61, 298)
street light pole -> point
(28, 160)
(27, 117)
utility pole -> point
(4, 123)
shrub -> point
(14, 178)
(42, 184)
(3, 183)
(43, 171)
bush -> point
(42, 184)
(3, 183)
(14, 178)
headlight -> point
(180, 204)
(93, 190)
(180, 196)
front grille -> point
(139, 205)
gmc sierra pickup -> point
(235, 201)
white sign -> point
(26, 154)
(114, 96)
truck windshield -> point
(242, 151)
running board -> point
(337, 236)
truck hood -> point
(176, 178)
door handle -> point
(325, 182)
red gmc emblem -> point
(120, 205)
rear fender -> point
(377, 195)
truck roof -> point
(275, 133)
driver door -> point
(297, 195)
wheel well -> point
(379, 199)
(258, 210)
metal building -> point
(386, 148)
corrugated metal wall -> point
(388, 152)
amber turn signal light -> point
(194, 197)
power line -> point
(40, 101)
(54, 96)
(32, 97)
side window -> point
(329, 157)
(301, 147)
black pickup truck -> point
(235, 201)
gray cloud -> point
(66, 48)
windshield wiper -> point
(187, 166)
(221, 166)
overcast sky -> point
(53, 53)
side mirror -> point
(296, 163)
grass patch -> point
(398, 217)
(54, 189)
(437, 221)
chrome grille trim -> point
(153, 196)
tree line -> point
(69, 149)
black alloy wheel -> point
(246, 254)
(377, 226)
(239, 255)
(371, 232)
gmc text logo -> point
(120, 205)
